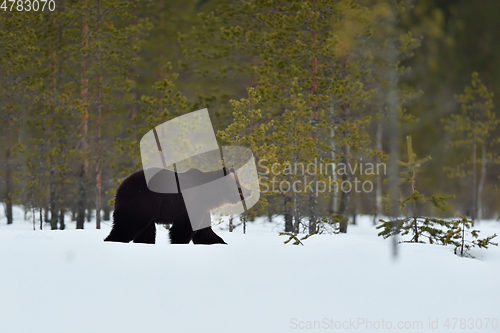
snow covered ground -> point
(71, 281)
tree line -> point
(321, 83)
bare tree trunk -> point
(393, 129)
(378, 180)
(344, 195)
(133, 71)
(474, 178)
(107, 212)
(481, 183)
(314, 121)
(415, 226)
(33, 214)
(296, 217)
(355, 210)
(270, 216)
(24, 167)
(62, 209)
(8, 170)
(82, 199)
(82, 191)
(463, 240)
(98, 124)
(62, 225)
(53, 198)
(40, 213)
(47, 210)
(333, 196)
(287, 211)
(296, 213)
(312, 206)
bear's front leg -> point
(207, 236)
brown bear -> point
(137, 208)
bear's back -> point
(167, 181)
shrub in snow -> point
(329, 224)
(460, 236)
(433, 230)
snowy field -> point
(71, 281)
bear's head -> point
(225, 192)
(244, 192)
(213, 189)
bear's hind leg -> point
(126, 227)
(207, 236)
(118, 234)
(147, 236)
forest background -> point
(341, 81)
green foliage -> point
(166, 103)
(421, 227)
(294, 81)
(477, 118)
(433, 230)
(464, 239)
(475, 124)
(309, 78)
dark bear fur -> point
(137, 209)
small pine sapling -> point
(459, 232)
(421, 227)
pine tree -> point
(474, 126)
(459, 232)
(421, 227)
(302, 55)
(18, 45)
(166, 103)
(107, 29)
